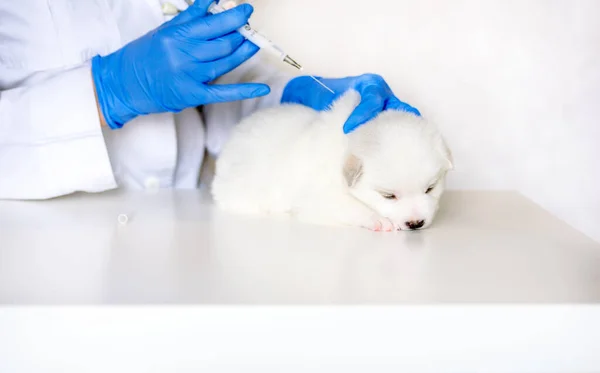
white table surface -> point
(179, 249)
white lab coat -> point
(51, 141)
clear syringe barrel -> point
(251, 34)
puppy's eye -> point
(430, 189)
(388, 196)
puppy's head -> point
(397, 164)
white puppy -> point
(388, 174)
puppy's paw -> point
(378, 223)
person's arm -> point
(51, 141)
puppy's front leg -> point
(341, 209)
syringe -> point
(258, 39)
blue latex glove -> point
(169, 69)
(376, 96)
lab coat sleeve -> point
(51, 141)
(221, 118)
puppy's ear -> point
(446, 153)
(352, 170)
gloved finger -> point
(217, 48)
(198, 9)
(217, 25)
(369, 107)
(395, 104)
(236, 92)
(227, 64)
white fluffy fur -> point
(294, 160)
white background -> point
(514, 85)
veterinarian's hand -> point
(376, 96)
(168, 69)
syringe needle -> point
(291, 61)
(322, 84)
(295, 64)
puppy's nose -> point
(415, 224)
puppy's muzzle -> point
(415, 224)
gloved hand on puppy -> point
(376, 96)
